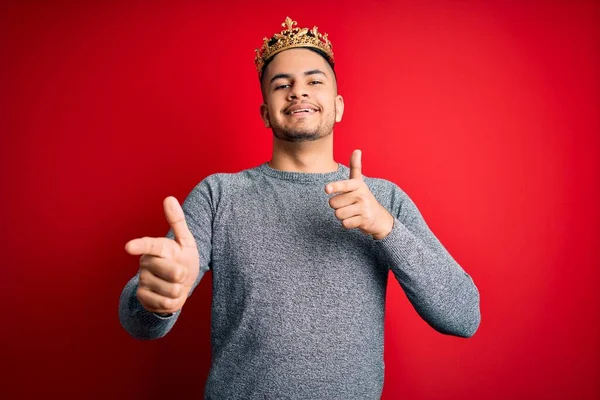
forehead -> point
(296, 61)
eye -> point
(281, 86)
(315, 82)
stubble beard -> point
(324, 128)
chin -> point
(304, 132)
(300, 138)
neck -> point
(314, 156)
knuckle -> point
(166, 304)
(144, 276)
(179, 274)
(174, 275)
(148, 266)
(142, 297)
(144, 261)
(176, 291)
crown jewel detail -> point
(290, 38)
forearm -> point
(139, 322)
(441, 292)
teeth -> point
(303, 110)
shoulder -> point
(391, 196)
(215, 185)
(385, 188)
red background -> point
(485, 113)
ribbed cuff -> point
(147, 318)
(398, 245)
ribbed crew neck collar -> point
(317, 177)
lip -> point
(292, 110)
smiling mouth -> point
(302, 111)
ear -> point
(264, 114)
(339, 108)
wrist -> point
(163, 315)
(388, 228)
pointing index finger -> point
(342, 186)
(158, 247)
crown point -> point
(289, 23)
(293, 38)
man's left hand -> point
(356, 206)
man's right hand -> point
(168, 268)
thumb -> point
(176, 218)
(355, 165)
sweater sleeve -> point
(441, 292)
(135, 319)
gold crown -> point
(290, 38)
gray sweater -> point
(298, 300)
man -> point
(300, 249)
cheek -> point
(274, 111)
(330, 107)
(275, 105)
(327, 99)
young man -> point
(300, 248)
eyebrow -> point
(307, 73)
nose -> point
(297, 91)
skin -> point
(301, 143)
(168, 268)
(305, 143)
